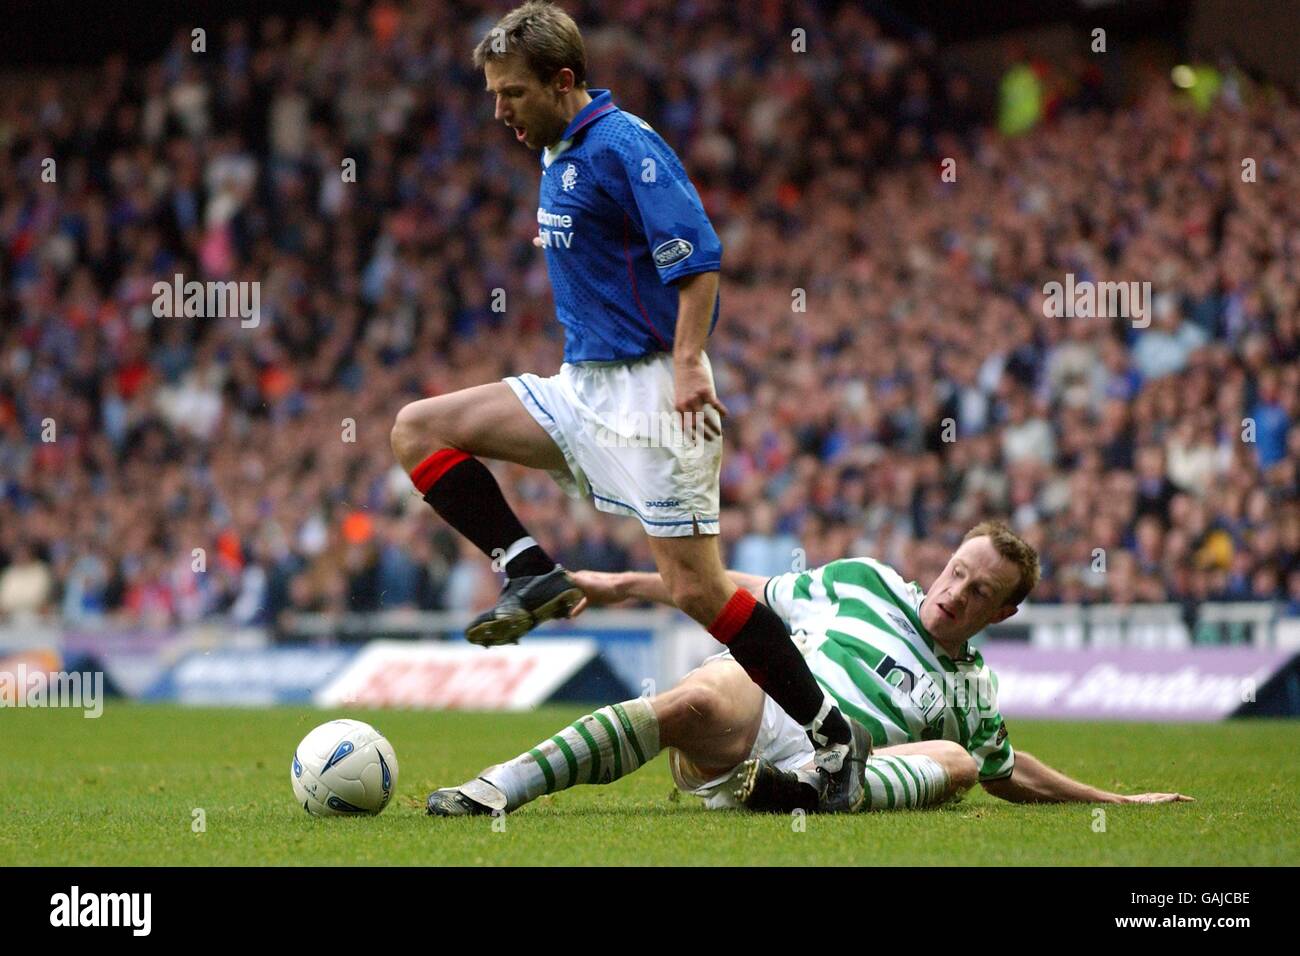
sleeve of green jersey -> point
(990, 747)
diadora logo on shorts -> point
(663, 503)
(569, 178)
(672, 251)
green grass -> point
(120, 790)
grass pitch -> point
(123, 790)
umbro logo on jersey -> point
(671, 252)
(569, 178)
(901, 622)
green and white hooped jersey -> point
(860, 626)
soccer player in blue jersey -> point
(633, 262)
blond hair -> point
(544, 35)
(1015, 549)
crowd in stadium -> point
(884, 348)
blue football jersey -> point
(620, 222)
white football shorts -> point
(626, 449)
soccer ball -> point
(343, 768)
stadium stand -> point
(1173, 447)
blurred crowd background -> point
(921, 389)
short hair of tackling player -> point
(1016, 550)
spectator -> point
(921, 389)
(26, 586)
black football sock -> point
(466, 496)
(760, 643)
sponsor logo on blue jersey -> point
(671, 252)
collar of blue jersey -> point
(601, 105)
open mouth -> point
(947, 613)
(520, 133)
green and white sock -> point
(905, 782)
(596, 748)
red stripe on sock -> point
(426, 473)
(733, 616)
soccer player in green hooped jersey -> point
(891, 655)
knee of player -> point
(403, 427)
(962, 769)
(687, 709)
(414, 428)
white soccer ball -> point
(343, 768)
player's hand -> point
(694, 388)
(600, 587)
(1156, 798)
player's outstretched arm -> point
(1032, 781)
(604, 588)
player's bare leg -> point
(712, 717)
(487, 421)
(436, 439)
(693, 572)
